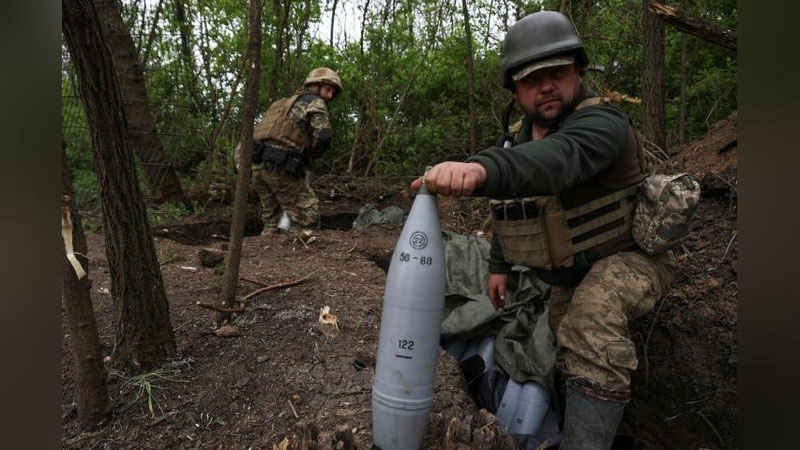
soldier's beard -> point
(567, 106)
(548, 118)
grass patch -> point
(141, 388)
(168, 212)
(170, 255)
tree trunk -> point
(277, 69)
(505, 17)
(228, 296)
(301, 30)
(333, 18)
(144, 333)
(152, 35)
(90, 376)
(684, 83)
(470, 80)
(160, 175)
(187, 58)
(287, 60)
(205, 52)
(653, 78)
(359, 126)
(364, 16)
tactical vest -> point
(278, 127)
(546, 232)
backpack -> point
(665, 205)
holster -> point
(290, 161)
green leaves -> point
(405, 98)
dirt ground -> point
(254, 390)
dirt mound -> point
(712, 159)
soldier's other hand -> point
(497, 289)
(453, 178)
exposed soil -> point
(251, 391)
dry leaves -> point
(327, 322)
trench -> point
(205, 231)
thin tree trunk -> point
(653, 78)
(91, 394)
(141, 28)
(164, 183)
(683, 95)
(287, 60)
(277, 69)
(505, 18)
(205, 52)
(301, 31)
(386, 38)
(470, 80)
(152, 35)
(187, 57)
(144, 336)
(410, 15)
(228, 296)
(488, 25)
(363, 24)
(333, 18)
(359, 118)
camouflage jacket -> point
(305, 124)
(307, 114)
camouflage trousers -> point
(278, 191)
(590, 321)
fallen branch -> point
(253, 281)
(491, 422)
(163, 417)
(694, 25)
(728, 247)
(647, 341)
(302, 241)
(220, 309)
(275, 286)
(713, 428)
(293, 410)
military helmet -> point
(323, 75)
(538, 36)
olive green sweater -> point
(582, 145)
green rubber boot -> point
(589, 423)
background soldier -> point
(294, 132)
(567, 188)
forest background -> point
(422, 79)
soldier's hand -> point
(497, 289)
(453, 178)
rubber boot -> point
(589, 423)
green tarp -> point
(523, 341)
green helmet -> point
(538, 36)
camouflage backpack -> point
(665, 206)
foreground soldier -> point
(567, 188)
(293, 133)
